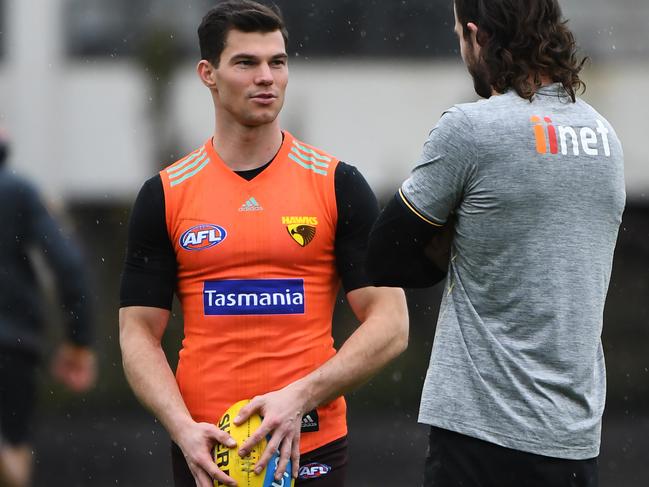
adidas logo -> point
(251, 205)
(307, 419)
(310, 422)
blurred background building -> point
(98, 95)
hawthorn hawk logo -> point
(302, 229)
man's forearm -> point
(382, 335)
(152, 380)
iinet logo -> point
(549, 137)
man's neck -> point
(246, 148)
(545, 81)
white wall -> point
(89, 135)
(377, 115)
(620, 92)
(79, 129)
(107, 148)
(82, 129)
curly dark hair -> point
(522, 40)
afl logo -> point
(202, 237)
(313, 471)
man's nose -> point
(264, 75)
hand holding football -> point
(242, 469)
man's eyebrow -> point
(245, 55)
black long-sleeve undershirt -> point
(149, 277)
(396, 253)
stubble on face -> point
(471, 57)
(479, 74)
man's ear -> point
(207, 73)
(473, 31)
(478, 36)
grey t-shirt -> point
(537, 190)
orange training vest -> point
(256, 278)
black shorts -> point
(323, 467)
(457, 460)
(17, 396)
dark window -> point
(355, 28)
(374, 28)
(124, 27)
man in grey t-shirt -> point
(532, 178)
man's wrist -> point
(178, 427)
(306, 390)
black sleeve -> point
(397, 243)
(149, 276)
(64, 258)
(357, 210)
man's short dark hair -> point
(520, 41)
(242, 15)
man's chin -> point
(257, 120)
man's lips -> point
(264, 95)
(264, 98)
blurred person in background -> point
(28, 227)
(253, 213)
(527, 189)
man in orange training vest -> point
(254, 231)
